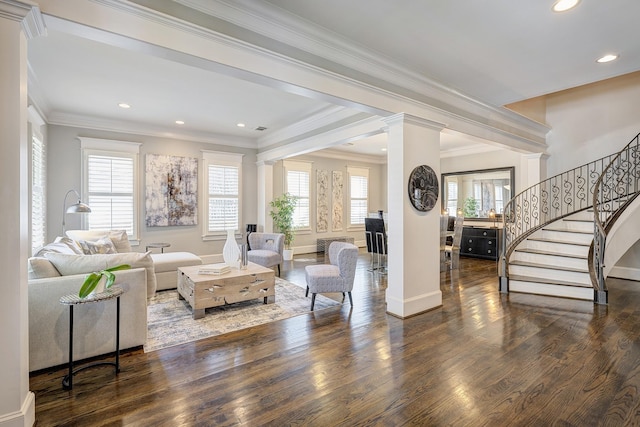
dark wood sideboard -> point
(481, 242)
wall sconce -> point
(460, 212)
(492, 215)
(78, 207)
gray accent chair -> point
(266, 249)
(338, 276)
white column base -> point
(414, 305)
(23, 418)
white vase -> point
(287, 254)
(231, 251)
(100, 287)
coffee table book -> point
(219, 268)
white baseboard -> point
(627, 273)
(416, 305)
(26, 417)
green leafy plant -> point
(470, 207)
(92, 280)
(282, 215)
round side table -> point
(161, 246)
(72, 300)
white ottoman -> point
(166, 266)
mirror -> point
(476, 193)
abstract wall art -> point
(322, 207)
(171, 190)
(337, 184)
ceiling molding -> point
(356, 157)
(88, 122)
(468, 151)
(15, 10)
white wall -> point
(592, 121)
(64, 173)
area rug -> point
(170, 321)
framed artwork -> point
(322, 207)
(337, 184)
(171, 190)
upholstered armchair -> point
(266, 249)
(452, 252)
(338, 276)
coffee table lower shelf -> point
(204, 291)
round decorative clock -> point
(423, 188)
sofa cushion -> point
(264, 257)
(62, 245)
(77, 264)
(118, 237)
(170, 261)
(41, 268)
(101, 246)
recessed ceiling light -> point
(179, 122)
(607, 58)
(384, 149)
(124, 105)
(564, 5)
(240, 125)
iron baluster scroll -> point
(549, 200)
(615, 189)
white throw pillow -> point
(41, 268)
(62, 245)
(78, 264)
(118, 237)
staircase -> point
(554, 260)
(555, 232)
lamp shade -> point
(79, 208)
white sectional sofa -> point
(60, 269)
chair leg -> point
(278, 270)
(350, 299)
(343, 297)
(306, 294)
(313, 301)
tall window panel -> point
(111, 185)
(223, 183)
(452, 197)
(38, 192)
(298, 184)
(358, 195)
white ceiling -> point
(497, 51)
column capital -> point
(402, 118)
(265, 163)
(536, 156)
(27, 13)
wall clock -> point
(423, 188)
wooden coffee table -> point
(203, 291)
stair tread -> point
(547, 281)
(548, 267)
(578, 220)
(541, 252)
(563, 242)
(560, 230)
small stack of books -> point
(220, 268)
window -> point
(111, 185)
(223, 172)
(298, 185)
(38, 216)
(358, 195)
(452, 197)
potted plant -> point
(92, 280)
(282, 215)
(470, 207)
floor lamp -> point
(78, 207)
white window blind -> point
(110, 184)
(224, 200)
(223, 186)
(298, 184)
(358, 195)
(452, 197)
(38, 192)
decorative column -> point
(265, 195)
(413, 235)
(18, 20)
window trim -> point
(222, 159)
(299, 166)
(108, 147)
(357, 171)
(36, 124)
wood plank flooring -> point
(483, 359)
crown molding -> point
(97, 123)
(468, 151)
(16, 10)
(355, 157)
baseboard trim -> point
(26, 417)
(410, 307)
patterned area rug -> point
(170, 320)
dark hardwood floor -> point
(482, 359)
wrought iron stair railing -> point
(549, 200)
(616, 187)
